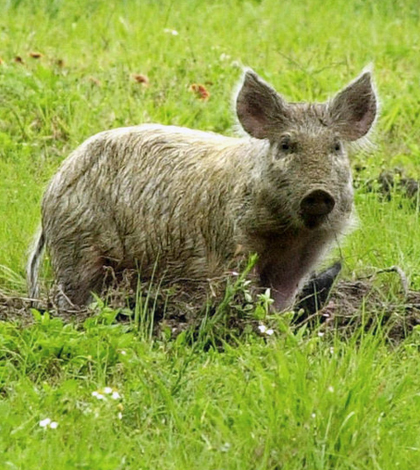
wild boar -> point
(179, 203)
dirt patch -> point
(352, 304)
(362, 304)
(389, 183)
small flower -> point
(119, 415)
(115, 396)
(321, 334)
(331, 389)
(98, 395)
(123, 353)
(173, 32)
(262, 328)
(106, 392)
(225, 447)
(265, 331)
(47, 423)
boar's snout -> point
(315, 206)
(317, 202)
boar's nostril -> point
(317, 202)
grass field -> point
(295, 400)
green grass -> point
(292, 401)
(295, 401)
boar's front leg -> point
(316, 291)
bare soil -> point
(352, 304)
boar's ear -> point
(353, 110)
(260, 109)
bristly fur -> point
(182, 204)
(34, 263)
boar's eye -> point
(336, 147)
(286, 145)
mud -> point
(389, 183)
(354, 304)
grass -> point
(294, 401)
(291, 401)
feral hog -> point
(177, 203)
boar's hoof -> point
(316, 291)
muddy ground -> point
(351, 304)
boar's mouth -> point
(313, 221)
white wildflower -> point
(224, 56)
(47, 423)
(115, 395)
(225, 447)
(265, 331)
(98, 395)
(262, 328)
(105, 392)
(171, 31)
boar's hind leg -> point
(79, 276)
